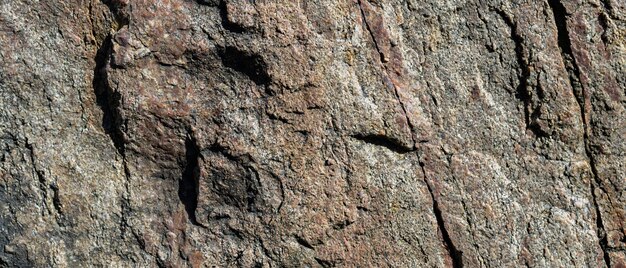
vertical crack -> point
(523, 91)
(56, 200)
(386, 70)
(455, 254)
(40, 176)
(109, 100)
(125, 205)
(600, 231)
(188, 188)
(560, 15)
(44, 186)
(113, 123)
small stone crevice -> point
(303, 242)
(40, 176)
(56, 200)
(223, 11)
(109, 101)
(382, 59)
(560, 17)
(188, 185)
(522, 91)
(324, 263)
(455, 255)
(384, 141)
(247, 63)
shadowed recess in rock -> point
(384, 141)
(188, 184)
(247, 63)
(107, 99)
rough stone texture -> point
(180, 133)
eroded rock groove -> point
(455, 255)
(188, 184)
(560, 17)
(523, 89)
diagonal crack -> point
(523, 91)
(386, 69)
(455, 254)
(560, 19)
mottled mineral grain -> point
(309, 133)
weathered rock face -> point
(313, 133)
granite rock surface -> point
(351, 133)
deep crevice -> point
(560, 15)
(107, 99)
(303, 242)
(114, 125)
(384, 141)
(188, 188)
(609, 9)
(455, 254)
(251, 65)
